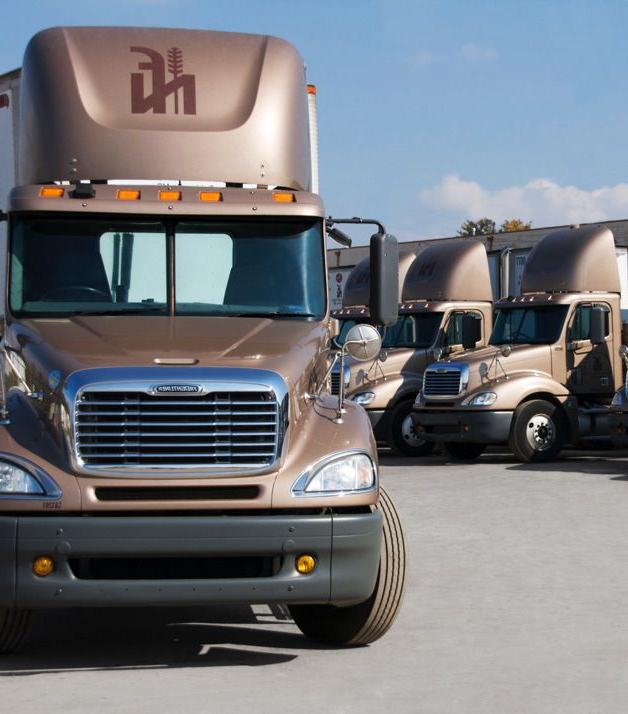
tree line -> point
(487, 226)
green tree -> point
(514, 224)
(481, 227)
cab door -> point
(589, 366)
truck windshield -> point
(71, 266)
(409, 331)
(528, 325)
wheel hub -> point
(541, 432)
(409, 435)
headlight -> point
(618, 399)
(363, 398)
(350, 473)
(14, 479)
(483, 399)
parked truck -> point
(165, 437)
(445, 307)
(553, 363)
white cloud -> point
(477, 53)
(541, 200)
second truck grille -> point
(441, 382)
(136, 429)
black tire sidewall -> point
(518, 442)
(395, 438)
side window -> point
(453, 334)
(135, 266)
(580, 328)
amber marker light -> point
(305, 564)
(51, 192)
(311, 89)
(283, 197)
(43, 565)
(128, 194)
(212, 196)
(170, 195)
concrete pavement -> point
(517, 601)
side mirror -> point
(363, 343)
(470, 329)
(597, 327)
(384, 279)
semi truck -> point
(445, 307)
(553, 363)
(165, 436)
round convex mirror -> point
(363, 342)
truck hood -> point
(397, 360)
(41, 346)
(523, 358)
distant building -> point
(507, 253)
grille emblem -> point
(177, 389)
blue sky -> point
(433, 112)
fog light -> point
(465, 427)
(43, 566)
(305, 564)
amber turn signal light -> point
(128, 194)
(283, 197)
(305, 564)
(170, 195)
(43, 565)
(210, 196)
(51, 192)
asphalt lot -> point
(517, 601)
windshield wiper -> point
(268, 314)
(131, 311)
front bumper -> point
(346, 546)
(618, 422)
(475, 427)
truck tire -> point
(538, 431)
(403, 439)
(463, 452)
(365, 622)
(13, 628)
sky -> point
(431, 113)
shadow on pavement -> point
(603, 462)
(147, 638)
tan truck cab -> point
(166, 437)
(553, 363)
(444, 291)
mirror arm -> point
(368, 221)
(325, 378)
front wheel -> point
(13, 628)
(463, 452)
(366, 622)
(403, 438)
(538, 431)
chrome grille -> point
(335, 381)
(442, 382)
(137, 429)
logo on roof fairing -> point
(180, 83)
